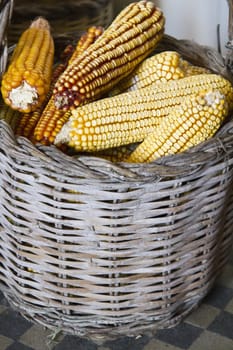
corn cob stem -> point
(129, 117)
(192, 122)
(26, 82)
(127, 41)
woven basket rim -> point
(168, 167)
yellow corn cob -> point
(195, 120)
(28, 121)
(129, 117)
(10, 115)
(59, 68)
(67, 52)
(160, 67)
(124, 44)
(86, 40)
(27, 79)
(26, 124)
(50, 123)
(116, 154)
(190, 69)
(51, 118)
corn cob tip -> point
(40, 23)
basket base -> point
(98, 333)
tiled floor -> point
(208, 327)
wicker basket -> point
(98, 249)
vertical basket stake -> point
(229, 45)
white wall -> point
(196, 20)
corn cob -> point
(86, 40)
(66, 53)
(26, 124)
(129, 117)
(192, 122)
(59, 68)
(160, 67)
(124, 44)
(116, 154)
(28, 121)
(26, 82)
(190, 69)
(51, 118)
(50, 123)
(10, 115)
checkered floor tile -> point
(210, 326)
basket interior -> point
(67, 19)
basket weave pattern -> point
(95, 248)
(87, 244)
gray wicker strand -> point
(6, 8)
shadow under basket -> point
(98, 249)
